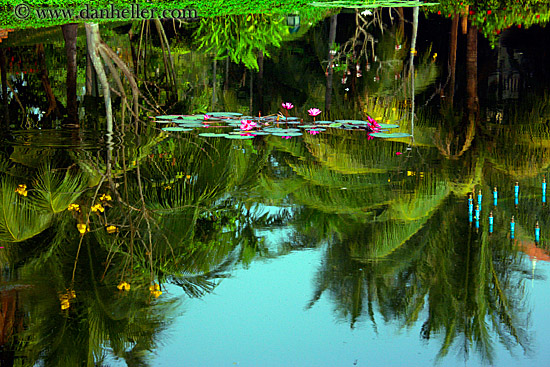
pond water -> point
(406, 224)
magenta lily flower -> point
(314, 132)
(314, 111)
(206, 117)
(247, 125)
(287, 105)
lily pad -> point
(176, 129)
(221, 114)
(169, 117)
(388, 126)
(287, 134)
(390, 135)
(213, 135)
(317, 129)
(191, 124)
(191, 117)
(335, 124)
(239, 137)
(355, 122)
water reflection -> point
(102, 219)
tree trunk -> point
(226, 84)
(471, 70)
(52, 102)
(412, 55)
(4, 79)
(465, 19)
(330, 72)
(214, 82)
(69, 34)
(91, 77)
(260, 82)
(401, 20)
(452, 58)
(93, 39)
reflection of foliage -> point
(241, 37)
(495, 16)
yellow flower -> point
(155, 290)
(167, 187)
(74, 207)
(111, 229)
(98, 207)
(123, 286)
(156, 293)
(105, 197)
(21, 190)
(435, 56)
(82, 228)
(65, 299)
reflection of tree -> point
(241, 37)
(403, 247)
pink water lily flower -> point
(314, 111)
(247, 125)
(287, 105)
(373, 122)
(206, 117)
(286, 137)
(398, 153)
(314, 132)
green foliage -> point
(494, 16)
(54, 191)
(240, 37)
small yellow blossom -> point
(188, 177)
(74, 207)
(21, 190)
(111, 229)
(167, 187)
(155, 290)
(82, 228)
(434, 56)
(65, 299)
(98, 207)
(105, 197)
(123, 286)
(156, 293)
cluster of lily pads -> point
(237, 126)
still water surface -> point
(290, 249)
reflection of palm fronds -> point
(55, 192)
(19, 218)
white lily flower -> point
(366, 12)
